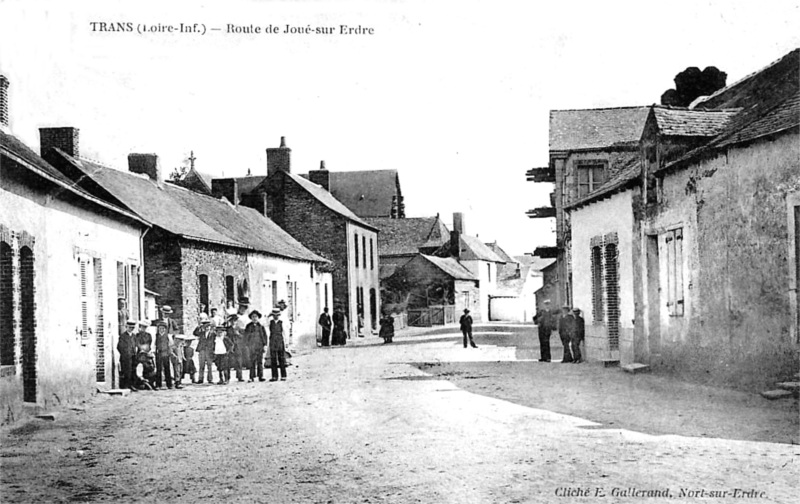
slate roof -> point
(367, 193)
(326, 199)
(500, 252)
(399, 237)
(195, 216)
(683, 122)
(472, 249)
(596, 128)
(196, 181)
(450, 266)
(12, 147)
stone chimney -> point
(227, 188)
(66, 139)
(3, 102)
(455, 235)
(458, 222)
(279, 158)
(321, 177)
(146, 164)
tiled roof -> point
(326, 198)
(193, 215)
(501, 253)
(17, 150)
(596, 128)
(451, 267)
(684, 122)
(406, 236)
(472, 249)
(367, 193)
(629, 172)
(511, 279)
(786, 115)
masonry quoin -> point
(288, 29)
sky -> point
(455, 95)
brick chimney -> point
(321, 177)
(279, 158)
(458, 222)
(146, 164)
(455, 234)
(66, 139)
(3, 102)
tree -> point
(692, 83)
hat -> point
(185, 337)
(547, 301)
(161, 323)
(166, 309)
(577, 310)
(276, 311)
(204, 319)
(256, 313)
(466, 310)
(244, 301)
(131, 322)
(144, 322)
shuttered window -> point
(673, 241)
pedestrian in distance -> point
(277, 348)
(466, 328)
(545, 320)
(339, 336)
(205, 347)
(222, 347)
(256, 339)
(326, 324)
(126, 346)
(189, 369)
(579, 335)
(163, 353)
(387, 328)
(566, 331)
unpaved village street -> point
(421, 420)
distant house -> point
(400, 240)
(203, 252)
(66, 256)
(518, 280)
(549, 291)
(368, 193)
(311, 215)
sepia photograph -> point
(398, 251)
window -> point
(489, 272)
(274, 293)
(99, 330)
(85, 296)
(243, 290)
(674, 244)
(203, 284)
(597, 284)
(355, 239)
(371, 256)
(27, 304)
(590, 177)
(364, 250)
(134, 293)
(230, 291)
(7, 356)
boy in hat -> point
(277, 349)
(256, 338)
(222, 346)
(188, 357)
(127, 354)
(466, 328)
(205, 347)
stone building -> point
(367, 193)
(203, 252)
(311, 215)
(66, 256)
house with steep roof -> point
(203, 252)
(368, 193)
(66, 256)
(323, 224)
(719, 232)
(400, 240)
(518, 280)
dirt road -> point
(362, 424)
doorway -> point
(653, 296)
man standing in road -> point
(466, 328)
(545, 320)
(566, 331)
(205, 347)
(580, 333)
(325, 322)
(127, 353)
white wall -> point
(365, 277)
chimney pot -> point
(66, 139)
(322, 165)
(4, 100)
(283, 142)
(146, 164)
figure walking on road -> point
(466, 328)
(566, 331)
(277, 349)
(579, 334)
(325, 322)
(339, 333)
(387, 328)
(163, 353)
(545, 320)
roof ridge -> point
(631, 107)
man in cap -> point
(545, 320)
(256, 338)
(127, 354)
(166, 316)
(579, 334)
(466, 328)
(277, 347)
(566, 331)
(205, 347)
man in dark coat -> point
(466, 328)
(545, 320)
(566, 331)
(238, 358)
(277, 347)
(256, 339)
(164, 347)
(339, 333)
(127, 354)
(205, 347)
(580, 333)
(325, 322)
